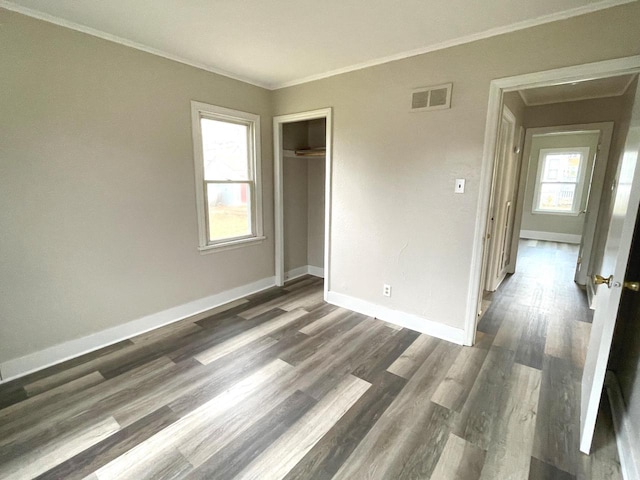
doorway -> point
(302, 180)
(563, 175)
(539, 294)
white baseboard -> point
(408, 320)
(304, 270)
(626, 438)
(551, 236)
(18, 367)
(316, 271)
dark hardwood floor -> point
(282, 385)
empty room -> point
(319, 240)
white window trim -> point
(199, 110)
(576, 208)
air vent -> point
(431, 98)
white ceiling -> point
(569, 92)
(275, 43)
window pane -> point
(225, 150)
(556, 197)
(229, 210)
(561, 167)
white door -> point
(501, 216)
(592, 205)
(607, 301)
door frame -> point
(491, 263)
(602, 159)
(278, 122)
(588, 71)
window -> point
(560, 181)
(227, 165)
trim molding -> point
(407, 320)
(19, 367)
(316, 271)
(628, 448)
(553, 17)
(304, 270)
(29, 12)
(551, 236)
(493, 32)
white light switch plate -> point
(459, 185)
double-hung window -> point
(227, 166)
(560, 181)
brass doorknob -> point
(635, 286)
(600, 280)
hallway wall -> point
(563, 224)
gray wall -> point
(395, 217)
(98, 222)
(582, 111)
(315, 212)
(567, 224)
(295, 206)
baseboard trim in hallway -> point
(19, 367)
(551, 236)
(406, 320)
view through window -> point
(226, 162)
(559, 182)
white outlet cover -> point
(459, 185)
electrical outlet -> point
(386, 290)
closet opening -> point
(302, 174)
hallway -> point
(540, 318)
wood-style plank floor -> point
(282, 385)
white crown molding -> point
(617, 93)
(492, 32)
(553, 17)
(127, 43)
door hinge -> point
(579, 261)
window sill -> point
(231, 245)
(560, 214)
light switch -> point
(459, 185)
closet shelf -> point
(306, 152)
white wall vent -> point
(431, 98)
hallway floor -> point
(282, 385)
(540, 318)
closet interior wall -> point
(303, 196)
